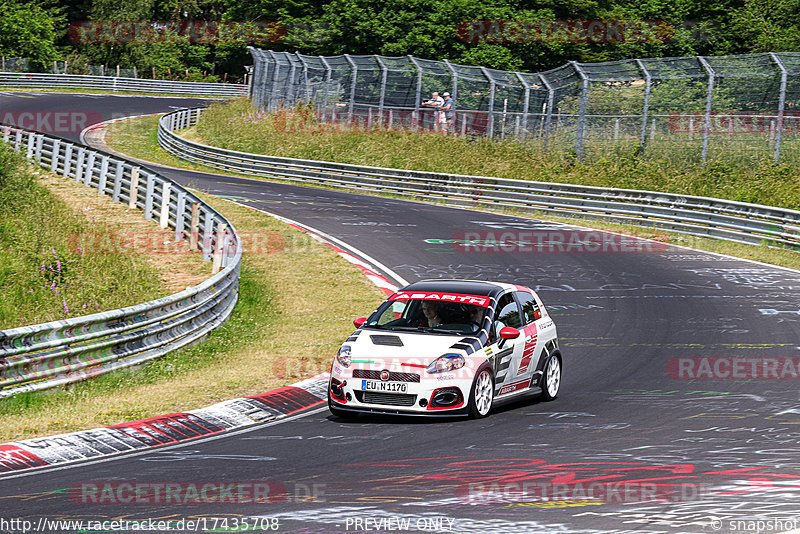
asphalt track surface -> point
(697, 455)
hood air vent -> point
(391, 341)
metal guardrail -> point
(698, 216)
(115, 84)
(59, 352)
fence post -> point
(781, 105)
(548, 118)
(149, 197)
(527, 103)
(418, 98)
(328, 74)
(580, 133)
(117, 181)
(709, 100)
(646, 106)
(354, 69)
(305, 76)
(384, 76)
(55, 154)
(273, 99)
(489, 78)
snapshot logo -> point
(564, 31)
(600, 492)
(180, 493)
(184, 31)
(734, 368)
(548, 241)
(55, 122)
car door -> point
(508, 353)
(532, 346)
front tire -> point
(482, 394)
(551, 382)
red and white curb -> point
(164, 429)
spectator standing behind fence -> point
(436, 102)
(449, 113)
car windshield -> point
(428, 315)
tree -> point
(28, 30)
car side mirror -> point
(360, 321)
(507, 332)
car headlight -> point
(447, 362)
(343, 356)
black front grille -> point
(393, 376)
(390, 399)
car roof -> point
(465, 287)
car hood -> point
(386, 345)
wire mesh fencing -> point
(693, 109)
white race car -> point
(447, 347)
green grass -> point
(235, 125)
(43, 274)
(297, 300)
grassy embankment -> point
(235, 125)
(275, 336)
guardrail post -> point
(31, 145)
(103, 178)
(646, 107)
(781, 105)
(165, 198)
(354, 70)
(134, 190)
(118, 174)
(208, 232)
(68, 159)
(54, 155)
(18, 141)
(219, 247)
(37, 151)
(6, 133)
(179, 216)
(87, 176)
(79, 164)
(580, 133)
(149, 197)
(194, 226)
(709, 100)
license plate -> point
(389, 387)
